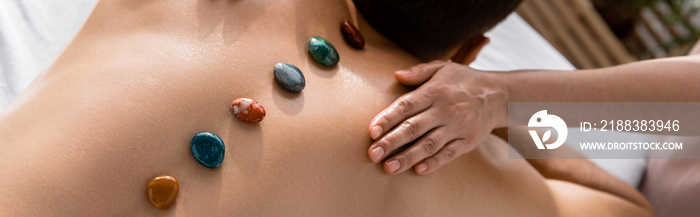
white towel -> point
(32, 34)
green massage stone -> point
(323, 51)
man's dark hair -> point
(428, 29)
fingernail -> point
(420, 168)
(376, 132)
(377, 154)
(403, 72)
(393, 165)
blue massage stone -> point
(208, 149)
(323, 51)
(289, 77)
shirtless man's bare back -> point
(123, 101)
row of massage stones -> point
(208, 149)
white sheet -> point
(515, 45)
(33, 32)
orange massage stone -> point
(162, 191)
(248, 110)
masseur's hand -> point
(452, 112)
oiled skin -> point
(123, 101)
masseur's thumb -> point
(418, 74)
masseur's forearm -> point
(669, 79)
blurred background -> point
(600, 33)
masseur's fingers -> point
(407, 131)
(448, 153)
(403, 108)
(427, 146)
(418, 74)
(467, 103)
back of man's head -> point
(431, 29)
